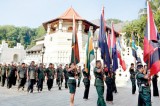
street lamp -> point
(43, 51)
(95, 41)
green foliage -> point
(115, 21)
(24, 35)
(137, 27)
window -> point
(70, 29)
(51, 39)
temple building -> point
(57, 41)
(15, 54)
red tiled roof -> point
(69, 14)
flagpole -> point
(138, 39)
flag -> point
(114, 50)
(134, 48)
(151, 51)
(109, 43)
(75, 49)
(89, 53)
(121, 61)
(102, 41)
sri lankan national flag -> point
(75, 49)
(89, 53)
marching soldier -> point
(3, 74)
(133, 78)
(0, 72)
(79, 75)
(50, 73)
(99, 83)
(114, 82)
(86, 81)
(22, 76)
(41, 76)
(59, 74)
(144, 98)
(11, 73)
(31, 76)
(72, 82)
(66, 75)
(155, 86)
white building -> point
(15, 54)
(57, 41)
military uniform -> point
(11, 73)
(59, 77)
(79, 77)
(86, 82)
(32, 78)
(41, 76)
(22, 72)
(66, 77)
(50, 75)
(144, 98)
(72, 82)
(114, 83)
(3, 74)
(99, 84)
(133, 80)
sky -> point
(33, 13)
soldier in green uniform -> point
(59, 75)
(72, 82)
(114, 82)
(133, 78)
(22, 76)
(50, 73)
(32, 75)
(41, 76)
(86, 81)
(11, 73)
(144, 98)
(99, 83)
(3, 74)
(0, 71)
(66, 75)
(79, 75)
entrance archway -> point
(15, 58)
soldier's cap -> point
(139, 66)
(139, 62)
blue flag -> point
(103, 42)
(134, 48)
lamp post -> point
(95, 41)
(43, 51)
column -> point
(60, 25)
(79, 26)
(48, 28)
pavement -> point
(55, 97)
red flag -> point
(151, 33)
(109, 42)
(122, 62)
(75, 49)
(151, 53)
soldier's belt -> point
(143, 85)
(71, 78)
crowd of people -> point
(72, 74)
(35, 74)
